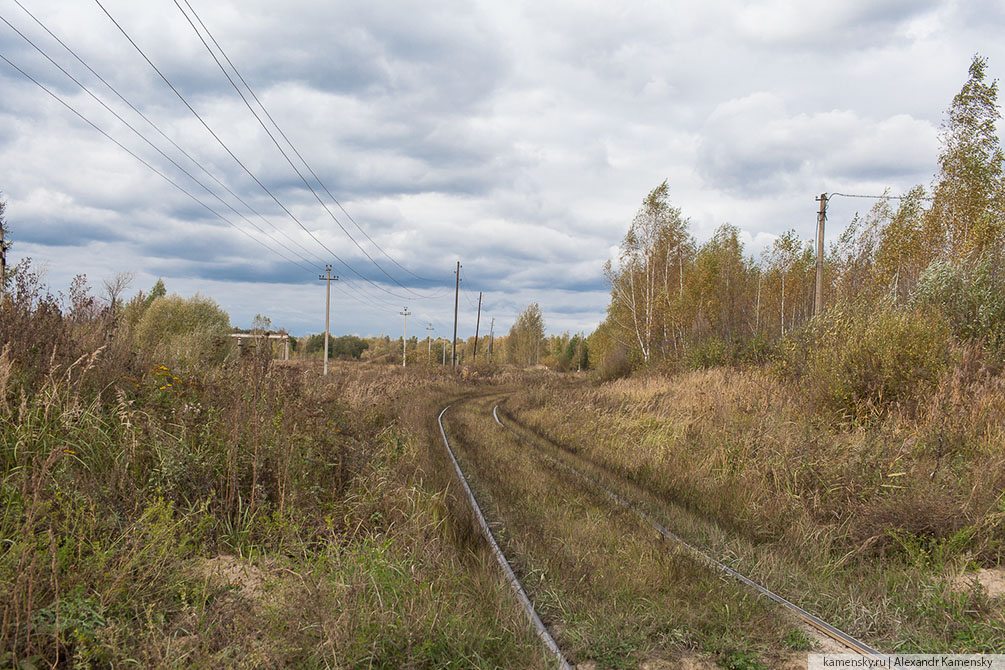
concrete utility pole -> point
(3, 255)
(3, 262)
(327, 278)
(429, 343)
(818, 304)
(474, 356)
(457, 293)
(404, 338)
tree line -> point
(675, 301)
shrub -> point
(971, 296)
(189, 330)
(709, 353)
(715, 352)
(859, 360)
(614, 364)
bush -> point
(715, 352)
(972, 297)
(614, 364)
(188, 330)
(708, 353)
(859, 360)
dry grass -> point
(613, 593)
(121, 476)
(880, 517)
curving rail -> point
(528, 607)
(813, 620)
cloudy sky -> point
(516, 137)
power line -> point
(827, 197)
(368, 302)
(158, 129)
(467, 296)
(152, 145)
(882, 197)
(285, 155)
(232, 155)
(287, 139)
(370, 298)
(148, 165)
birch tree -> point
(970, 187)
(648, 280)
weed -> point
(734, 659)
(797, 640)
(122, 475)
(858, 519)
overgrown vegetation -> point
(858, 451)
(167, 503)
(610, 589)
(929, 261)
(163, 509)
(870, 526)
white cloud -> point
(519, 137)
(753, 144)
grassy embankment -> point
(612, 592)
(872, 524)
(159, 512)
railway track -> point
(836, 634)
(507, 569)
(847, 641)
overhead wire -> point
(157, 128)
(829, 196)
(290, 143)
(391, 308)
(881, 197)
(160, 173)
(151, 144)
(141, 160)
(233, 156)
(425, 317)
(371, 298)
(287, 157)
(468, 295)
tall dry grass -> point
(744, 447)
(872, 522)
(123, 475)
